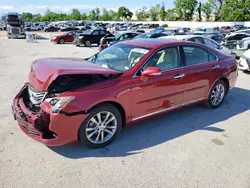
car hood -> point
(44, 71)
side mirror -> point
(150, 71)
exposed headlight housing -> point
(80, 37)
(59, 103)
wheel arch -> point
(117, 105)
(225, 80)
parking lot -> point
(191, 147)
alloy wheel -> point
(101, 127)
(218, 94)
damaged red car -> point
(90, 100)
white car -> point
(201, 39)
(244, 44)
(244, 62)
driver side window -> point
(165, 59)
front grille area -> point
(15, 31)
(35, 96)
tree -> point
(217, 4)
(142, 14)
(154, 12)
(171, 15)
(84, 16)
(207, 8)
(75, 15)
(105, 15)
(94, 14)
(185, 9)
(124, 13)
(26, 16)
(199, 12)
(113, 15)
(162, 12)
(236, 10)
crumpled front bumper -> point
(48, 128)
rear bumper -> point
(48, 128)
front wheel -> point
(217, 94)
(101, 127)
(87, 43)
(61, 41)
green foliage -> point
(142, 14)
(162, 12)
(94, 14)
(236, 10)
(84, 16)
(26, 16)
(207, 9)
(185, 9)
(154, 12)
(75, 15)
(124, 13)
(171, 15)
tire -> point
(87, 43)
(108, 133)
(212, 102)
(61, 41)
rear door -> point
(95, 37)
(201, 71)
(69, 37)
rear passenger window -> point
(195, 55)
(196, 39)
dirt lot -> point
(191, 147)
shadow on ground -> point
(163, 128)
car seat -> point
(169, 60)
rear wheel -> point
(217, 94)
(87, 43)
(101, 127)
(61, 41)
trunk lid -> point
(44, 71)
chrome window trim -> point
(178, 46)
(168, 109)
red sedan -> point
(64, 38)
(91, 100)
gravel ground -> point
(191, 147)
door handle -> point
(215, 67)
(179, 76)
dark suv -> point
(89, 37)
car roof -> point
(181, 37)
(152, 43)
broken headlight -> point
(59, 103)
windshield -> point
(121, 57)
(144, 35)
(117, 35)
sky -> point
(66, 6)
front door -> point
(161, 92)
